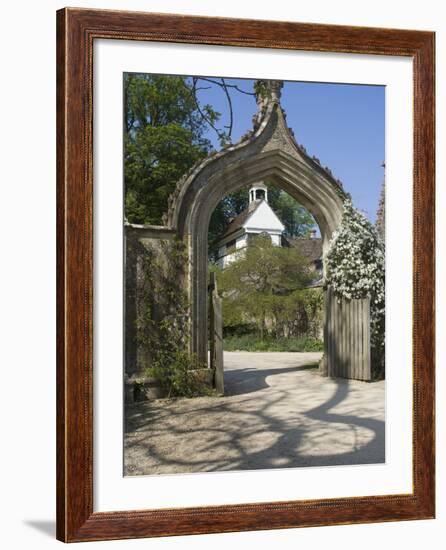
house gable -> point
(262, 219)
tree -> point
(164, 136)
(297, 220)
(261, 283)
(165, 129)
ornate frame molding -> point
(76, 31)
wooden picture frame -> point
(76, 31)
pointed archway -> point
(268, 153)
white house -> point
(258, 218)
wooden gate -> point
(216, 334)
(347, 337)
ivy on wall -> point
(355, 267)
(163, 321)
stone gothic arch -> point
(268, 153)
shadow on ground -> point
(263, 422)
(247, 380)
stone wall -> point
(146, 272)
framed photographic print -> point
(245, 275)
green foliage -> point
(356, 269)
(266, 287)
(139, 392)
(297, 220)
(162, 316)
(180, 374)
(261, 89)
(299, 313)
(162, 329)
(163, 137)
(251, 342)
(227, 209)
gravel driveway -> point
(277, 412)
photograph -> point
(254, 274)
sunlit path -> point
(277, 412)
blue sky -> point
(341, 124)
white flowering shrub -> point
(355, 268)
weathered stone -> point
(141, 244)
(271, 154)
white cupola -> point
(258, 192)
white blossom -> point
(356, 267)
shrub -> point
(163, 323)
(267, 289)
(179, 374)
(252, 342)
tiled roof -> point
(310, 248)
(239, 220)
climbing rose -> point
(355, 266)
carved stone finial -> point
(275, 87)
(268, 90)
